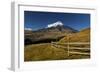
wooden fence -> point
(68, 48)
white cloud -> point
(28, 29)
(55, 24)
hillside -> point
(82, 36)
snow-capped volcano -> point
(52, 32)
(58, 23)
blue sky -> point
(37, 20)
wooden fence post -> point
(68, 44)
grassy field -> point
(43, 52)
(47, 51)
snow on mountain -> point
(28, 29)
(55, 24)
